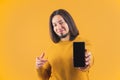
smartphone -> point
(79, 54)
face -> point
(60, 27)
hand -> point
(87, 58)
(40, 61)
(87, 61)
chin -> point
(64, 35)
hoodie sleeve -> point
(44, 72)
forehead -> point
(57, 18)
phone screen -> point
(79, 54)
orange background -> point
(24, 35)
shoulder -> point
(51, 47)
(81, 39)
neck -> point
(67, 38)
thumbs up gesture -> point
(40, 61)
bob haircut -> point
(68, 19)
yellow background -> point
(24, 35)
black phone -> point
(79, 54)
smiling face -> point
(60, 27)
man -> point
(59, 62)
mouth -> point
(61, 30)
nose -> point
(59, 26)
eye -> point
(61, 23)
(54, 25)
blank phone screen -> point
(79, 54)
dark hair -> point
(69, 20)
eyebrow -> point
(59, 21)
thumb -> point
(42, 55)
